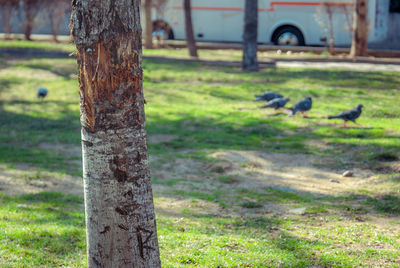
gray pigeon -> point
(276, 103)
(302, 106)
(349, 115)
(42, 92)
(267, 96)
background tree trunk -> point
(56, 9)
(191, 42)
(31, 9)
(120, 220)
(249, 62)
(149, 24)
(7, 9)
(330, 9)
(359, 43)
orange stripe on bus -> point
(214, 8)
(272, 4)
(218, 8)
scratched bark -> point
(249, 62)
(121, 227)
(359, 45)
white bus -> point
(295, 22)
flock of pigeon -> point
(277, 101)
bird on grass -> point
(302, 106)
(276, 103)
(42, 93)
(349, 115)
(267, 96)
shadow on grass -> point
(63, 72)
(314, 204)
(45, 228)
(57, 230)
(327, 78)
(46, 207)
(21, 136)
(202, 132)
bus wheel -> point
(288, 36)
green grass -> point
(211, 219)
(37, 45)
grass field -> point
(220, 166)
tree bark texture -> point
(149, 24)
(359, 45)
(191, 42)
(120, 220)
(249, 62)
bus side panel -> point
(207, 19)
(233, 20)
(172, 13)
(342, 21)
(300, 16)
(263, 25)
(378, 19)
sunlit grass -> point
(205, 109)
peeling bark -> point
(120, 220)
(359, 45)
(249, 62)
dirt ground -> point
(249, 169)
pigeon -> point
(267, 96)
(302, 106)
(42, 92)
(349, 115)
(276, 103)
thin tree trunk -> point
(149, 25)
(6, 18)
(28, 29)
(31, 9)
(120, 220)
(331, 30)
(249, 62)
(191, 42)
(359, 43)
(54, 25)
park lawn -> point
(196, 110)
(204, 54)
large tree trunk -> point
(359, 43)
(249, 62)
(191, 43)
(120, 220)
(149, 25)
